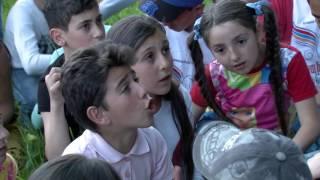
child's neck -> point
(157, 102)
(67, 52)
(122, 141)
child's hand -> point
(244, 118)
(54, 85)
(177, 173)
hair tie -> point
(257, 6)
(196, 29)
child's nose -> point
(164, 62)
(99, 32)
(234, 54)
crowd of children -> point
(124, 102)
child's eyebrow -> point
(122, 82)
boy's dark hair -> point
(84, 77)
(74, 167)
(58, 13)
(237, 11)
(134, 31)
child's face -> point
(84, 29)
(154, 64)
(315, 10)
(235, 47)
(3, 142)
(128, 104)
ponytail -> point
(200, 77)
(274, 59)
(183, 124)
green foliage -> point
(33, 154)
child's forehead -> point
(87, 14)
(117, 75)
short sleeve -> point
(300, 84)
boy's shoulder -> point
(81, 145)
(151, 134)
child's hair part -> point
(58, 13)
(84, 77)
(237, 11)
(134, 31)
(74, 167)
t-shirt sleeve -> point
(43, 96)
(300, 84)
(196, 95)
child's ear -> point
(98, 116)
(261, 35)
(57, 37)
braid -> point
(179, 110)
(200, 77)
(273, 55)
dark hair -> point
(74, 167)
(84, 77)
(134, 31)
(237, 11)
(58, 13)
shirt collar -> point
(110, 154)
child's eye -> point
(165, 50)
(242, 41)
(86, 27)
(149, 57)
(99, 20)
(126, 89)
(135, 78)
(218, 50)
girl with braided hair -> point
(254, 81)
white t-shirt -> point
(184, 69)
(164, 122)
(25, 26)
(305, 37)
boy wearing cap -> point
(179, 17)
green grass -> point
(33, 140)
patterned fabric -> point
(305, 37)
(222, 151)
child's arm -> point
(55, 124)
(310, 123)
(177, 173)
(314, 165)
(197, 111)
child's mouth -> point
(150, 105)
(239, 66)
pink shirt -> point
(148, 158)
